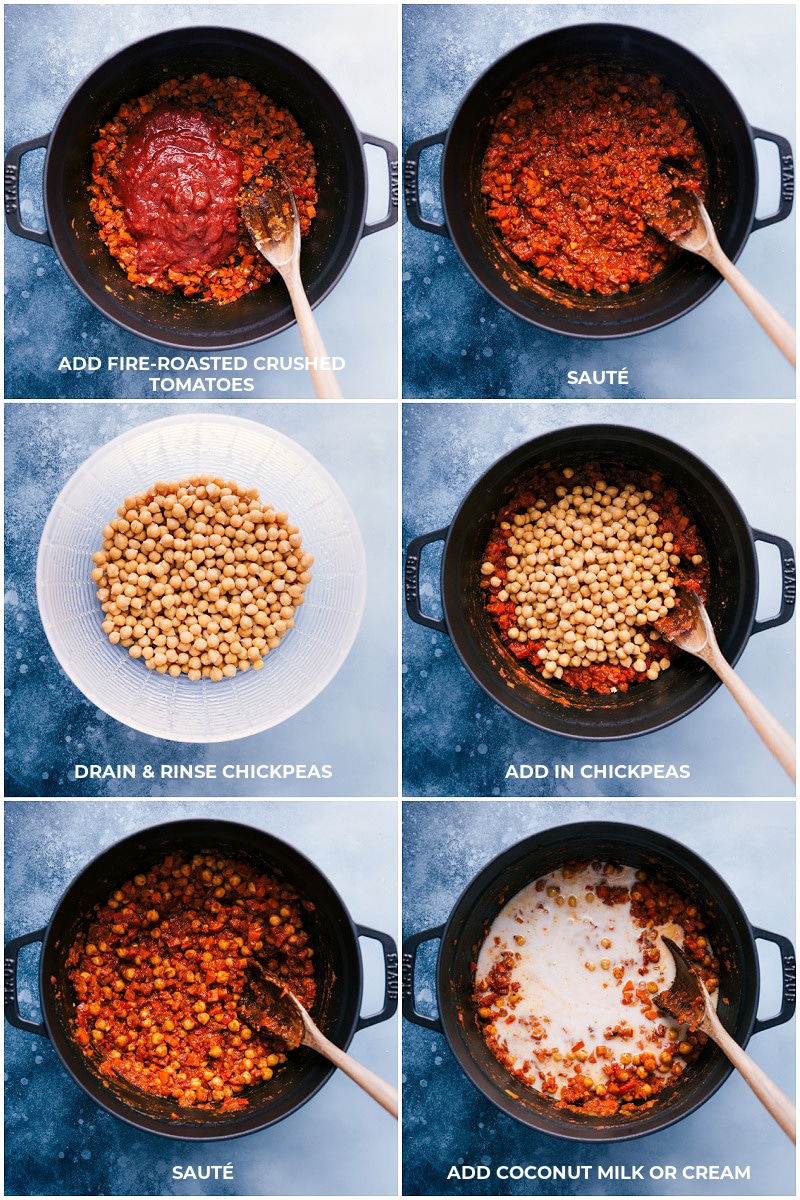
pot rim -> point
(536, 844)
(474, 660)
(202, 341)
(460, 226)
(244, 1122)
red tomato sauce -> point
(179, 187)
(581, 165)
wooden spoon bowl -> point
(273, 1008)
(688, 1002)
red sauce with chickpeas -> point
(160, 973)
(579, 168)
(580, 574)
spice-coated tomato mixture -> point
(566, 983)
(166, 172)
(580, 165)
(581, 570)
(160, 973)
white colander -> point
(310, 654)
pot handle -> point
(11, 1000)
(390, 976)
(787, 178)
(411, 184)
(409, 964)
(789, 969)
(13, 159)
(788, 580)
(413, 559)
(391, 155)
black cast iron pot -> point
(728, 140)
(731, 935)
(175, 320)
(555, 707)
(337, 962)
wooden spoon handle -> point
(326, 385)
(771, 1096)
(376, 1087)
(769, 730)
(768, 318)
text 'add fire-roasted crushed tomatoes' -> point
(566, 982)
(581, 571)
(578, 167)
(160, 975)
(166, 173)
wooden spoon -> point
(275, 1009)
(273, 224)
(689, 1002)
(693, 632)
(696, 234)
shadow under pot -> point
(554, 706)
(730, 933)
(174, 319)
(722, 128)
(338, 973)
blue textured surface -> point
(447, 1122)
(49, 50)
(351, 725)
(458, 742)
(58, 1142)
(457, 342)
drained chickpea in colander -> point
(199, 578)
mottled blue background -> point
(458, 742)
(446, 1121)
(58, 1142)
(351, 725)
(457, 342)
(51, 48)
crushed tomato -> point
(247, 126)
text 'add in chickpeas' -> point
(199, 578)
(580, 572)
(566, 981)
(579, 167)
(160, 978)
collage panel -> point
(579, 689)
(480, 1119)
(542, 144)
(136, 1121)
(118, 286)
(489, 659)
(128, 689)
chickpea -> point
(198, 557)
(599, 571)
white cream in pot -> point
(576, 959)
